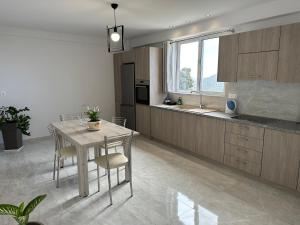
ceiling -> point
(90, 17)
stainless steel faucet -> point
(202, 106)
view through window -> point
(198, 66)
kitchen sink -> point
(193, 108)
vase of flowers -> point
(93, 114)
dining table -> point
(77, 134)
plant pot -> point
(12, 136)
(94, 125)
(34, 223)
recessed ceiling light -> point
(208, 14)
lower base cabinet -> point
(281, 158)
(143, 119)
(210, 138)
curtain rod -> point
(203, 35)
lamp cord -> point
(115, 18)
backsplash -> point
(267, 98)
(259, 98)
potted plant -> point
(93, 114)
(13, 123)
(21, 213)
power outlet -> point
(3, 93)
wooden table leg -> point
(82, 164)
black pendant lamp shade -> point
(115, 34)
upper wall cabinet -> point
(257, 66)
(228, 53)
(289, 54)
(128, 57)
(259, 40)
(142, 63)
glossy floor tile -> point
(170, 187)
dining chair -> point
(73, 116)
(120, 121)
(60, 153)
(115, 160)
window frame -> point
(199, 69)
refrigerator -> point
(128, 94)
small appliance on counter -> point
(168, 101)
(231, 104)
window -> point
(197, 67)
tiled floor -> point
(169, 188)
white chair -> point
(115, 160)
(120, 121)
(73, 116)
(60, 153)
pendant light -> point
(115, 34)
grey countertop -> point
(289, 126)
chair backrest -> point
(71, 116)
(121, 121)
(52, 132)
(126, 140)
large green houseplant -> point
(13, 123)
(21, 213)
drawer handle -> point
(243, 150)
(243, 162)
(244, 138)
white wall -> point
(53, 74)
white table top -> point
(77, 133)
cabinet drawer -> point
(245, 130)
(244, 141)
(243, 153)
(249, 167)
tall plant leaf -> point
(7, 209)
(31, 205)
(22, 220)
(20, 209)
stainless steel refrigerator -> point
(128, 94)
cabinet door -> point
(249, 66)
(117, 76)
(298, 189)
(270, 39)
(210, 138)
(281, 155)
(171, 125)
(143, 119)
(250, 41)
(228, 53)
(142, 61)
(258, 66)
(187, 138)
(128, 57)
(289, 54)
(118, 109)
(156, 123)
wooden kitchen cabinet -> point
(259, 40)
(210, 138)
(228, 58)
(250, 41)
(143, 119)
(156, 123)
(128, 56)
(281, 157)
(171, 127)
(298, 188)
(257, 66)
(289, 54)
(142, 63)
(187, 138)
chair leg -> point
(118, 176)
(109, 186)
(58, 168)
(54, 166)
(130, 180)
(98, 178)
